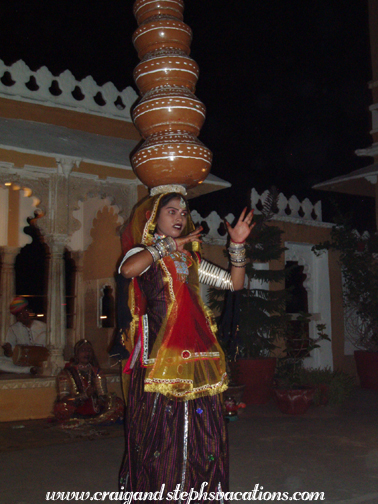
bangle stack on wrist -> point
(162, 248)
(237, 254)
(154, 252)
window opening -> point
(107, 307)
(297, 304)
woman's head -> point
(143, 222)
(172, 215)
(84, 353)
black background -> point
(285, 83)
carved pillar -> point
(7, 287)
(79, 297)
(56, 309)
(56, 235)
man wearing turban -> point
(25, 331)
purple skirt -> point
(178, 444)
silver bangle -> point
(159, 246)
(154, 252)
(236, 248)
(165, 246)
(241, 264)
(171, 242)
(237, 252)
(237, 245)
(237, 257)
(212, 275)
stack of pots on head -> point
(168, 116)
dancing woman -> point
(175, 429)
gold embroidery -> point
(169, 388)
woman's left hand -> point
(240, 232)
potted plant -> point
(254, 319)
(332, 387)
(358, 258)
(293, 394)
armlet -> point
(212, 275)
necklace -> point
(85, 375)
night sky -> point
(285, 82)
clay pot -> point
(295, 401)
(169, 108)
(172, 158)
(162, 32)
(166, 67)
(367, 368)
(144, 9)
(257, 375)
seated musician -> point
(82, 391)
(25, 331)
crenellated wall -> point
(288, 210)
(19, 82)
(302, 226)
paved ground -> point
(328, 450)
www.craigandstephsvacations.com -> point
(190, 497)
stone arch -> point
(16, 196)
(31, 270)
(100, 261)
(295, 253)
(105, 246)
(319, 297)
(119, 195)
(85, 214)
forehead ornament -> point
(182, 203)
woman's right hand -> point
(191, 237)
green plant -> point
(359, 266)
(339, 385)
(259, 311)
(299, 345)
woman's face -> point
(84, 354)
(172, 218)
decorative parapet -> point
(18, 82)
(364, 236)
(216, 234)
(370, 151)
(289, 209)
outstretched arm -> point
(238, 235)
(139, 262)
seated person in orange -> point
(25, 331)
(82, 391)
